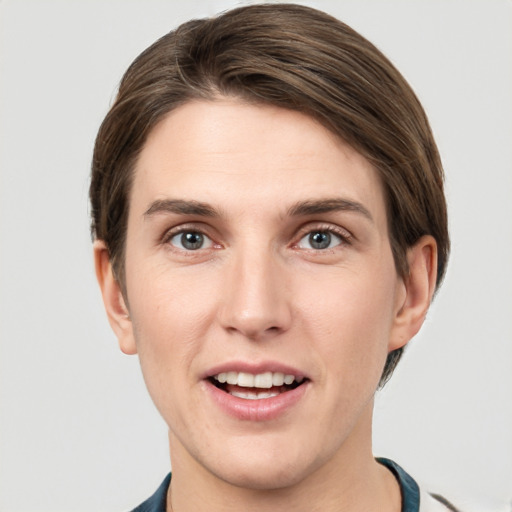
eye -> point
(190, 241)
(319, 240)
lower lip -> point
(263, 409)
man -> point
(270, 228)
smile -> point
(258, 386)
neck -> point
(350, 481)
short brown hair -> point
(293, 57)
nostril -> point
(252, 331)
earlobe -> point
(419, 286)
(113, 300)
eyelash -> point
(345, 238)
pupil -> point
(192, 241)
(320, 240)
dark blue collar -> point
(409, 488)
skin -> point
(256, 292)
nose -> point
(255, 297)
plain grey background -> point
(78, 431)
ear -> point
(417, 290)
(115, 306)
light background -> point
(78, 431)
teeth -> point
(253, 396)
(278, 379)
(288, 379)
(261, 380)
(246, 380)
(232, 378)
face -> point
(262, 295)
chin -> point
(263, 479)
(271, 471)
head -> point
(291, 57)
(267, 201)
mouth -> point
(259, 386)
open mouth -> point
(256, 387)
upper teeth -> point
(261, 380)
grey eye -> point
(191, 241)
(319, 240)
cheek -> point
(171, 312)
(171, 316)
(159, 295)
(350, 317)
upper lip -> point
(254, 368)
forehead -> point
(244, 155)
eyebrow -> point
(301, 208)
(181, 207)
(313, 207)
